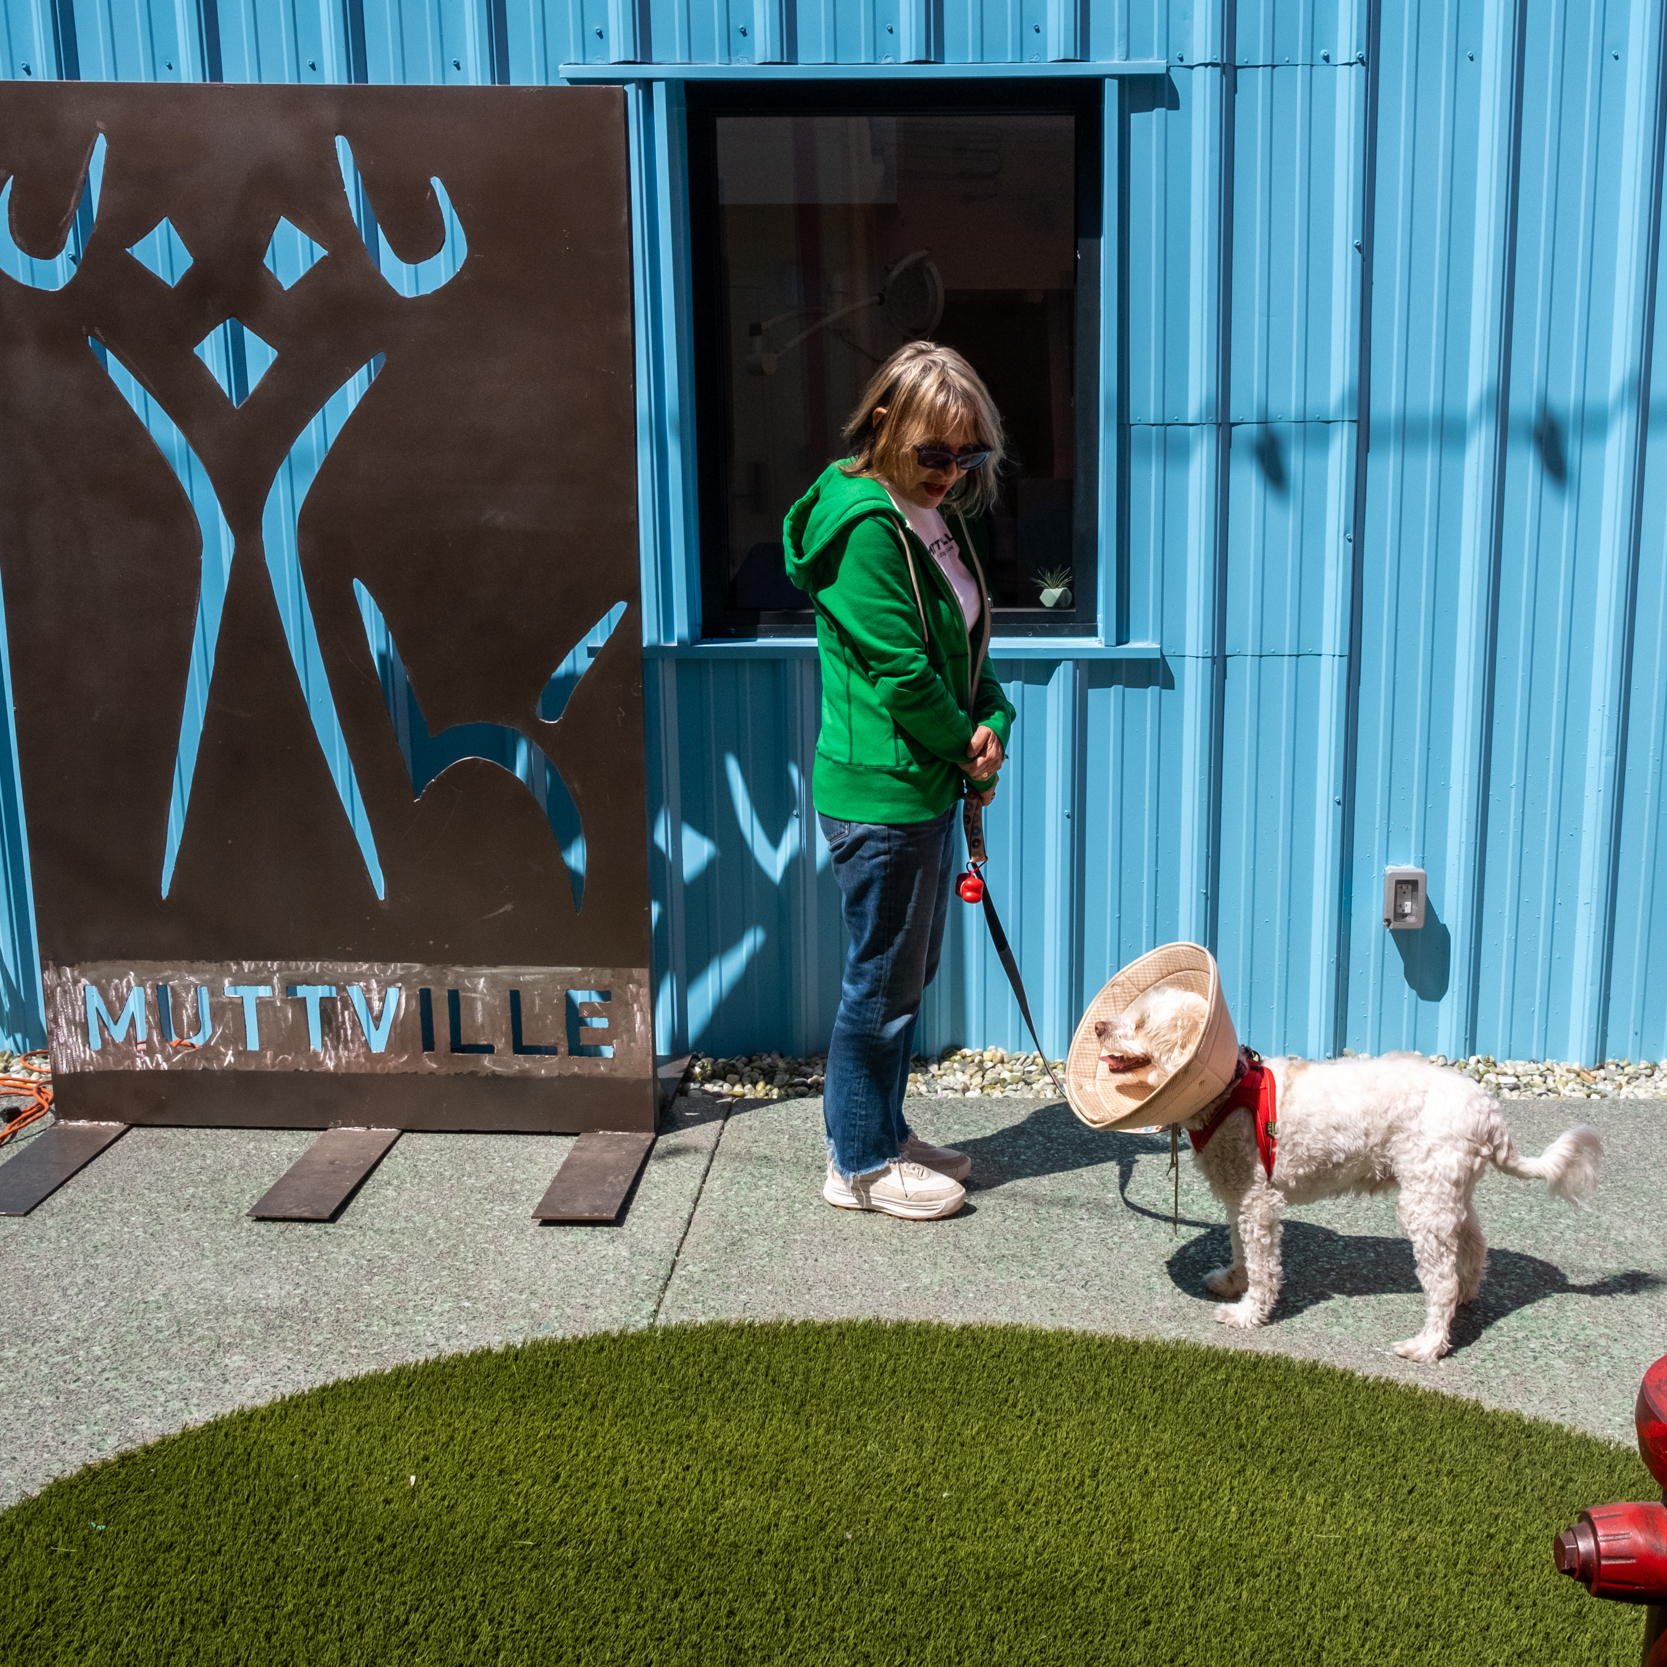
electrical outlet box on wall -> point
(1405, 891)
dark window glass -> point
(828, 237)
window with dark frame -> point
(830, 224)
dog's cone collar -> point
(1104, 1101)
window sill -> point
(1002, 648)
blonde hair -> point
(926, 391)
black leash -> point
(974, 888)
(1175, 1170)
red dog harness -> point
(1255, 1092)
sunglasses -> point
(931, 456)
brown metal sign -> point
(548, 1022)
(481, 496)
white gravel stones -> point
(957, 1071)
(966, 1072)
(984, 1071)
(1550, 1079)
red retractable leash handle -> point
(970, 884)
(973, 888)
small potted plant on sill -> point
(1055, 587)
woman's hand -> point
(984, 754)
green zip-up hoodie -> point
(904, 682)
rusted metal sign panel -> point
(596, 1178)
(49, 1160)
(317, 1186)
(341, 1016)
(478, 503)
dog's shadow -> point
(1320, 1264)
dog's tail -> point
(1569, 1165)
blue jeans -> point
(894, 880)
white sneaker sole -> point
(845, 1197)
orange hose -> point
(37, 1084)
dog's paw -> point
(1242, 1314)
(1227, 1282)
(1468, 1294)
(1423, 1349)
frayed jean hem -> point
(857, 1175)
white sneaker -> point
(945, 1159)
(910, 1190)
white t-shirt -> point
(929, 527)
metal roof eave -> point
(1077, 69)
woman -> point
(911, 713)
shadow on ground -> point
(1050, 1141)
(1321, 1264)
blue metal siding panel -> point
(1172, 144)
(1637, 1017)
(1291, 504)
(1511, 716)
(22, 1018)
(1296, 230)
(586, 31)
(1143, 879)
(298, 42)
(1179, 31)
(1298, 31)
(28, 51)
(666, 485)
(406, 41)
(131, 40)
(1444, 168)
(532, 53)
(668, 29)
(1172, 525)
(1590, 87)
(1281, 753)
(814, 35)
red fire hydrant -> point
(1620, 1551)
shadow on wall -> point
(21, 1024)
(1142, 94)
(1548, 442)
(749, 942)
(744, 870)
(1426, 956)
(1270, 459)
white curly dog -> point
(1350, 1126)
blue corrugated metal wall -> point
(1384, 498)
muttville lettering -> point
(591, 1004)
(344, 1017)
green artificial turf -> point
(828, 1493)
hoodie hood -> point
(832, 504)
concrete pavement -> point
(140, 1298)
